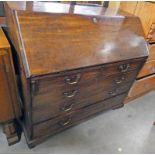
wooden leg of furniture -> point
(12, 131)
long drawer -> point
(82, 77)
(64, 121)
(55, 103)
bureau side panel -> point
(25, 85)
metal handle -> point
(118, 81)
(72, 80)
(66, 122)
(70, 94)
(67, 108)
(124, 67)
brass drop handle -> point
(67, 108)
(70, 94)
(72, 80)
(118, 81)
(66, 122)
(124, 67)
(113, 93)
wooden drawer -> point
(82, 77)
(64, 121)
(55, 103)
(142, 86)
(151, 52)
(148, 68)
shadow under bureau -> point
(75, 62)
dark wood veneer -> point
(88, 58)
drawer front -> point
(142, 86)
(64, 121)
(151, 33)
(151, 52)
(59, 101)
(148, 68)
(83, 77)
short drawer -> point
(64, 121)
(148, 68)
(82, 77)
(55, 103)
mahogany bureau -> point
(75, 61)
(9, 100)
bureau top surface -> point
(59, 41)
(3, 41)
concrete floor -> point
(126, 130)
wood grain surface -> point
(73, 60)
(69, 42)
